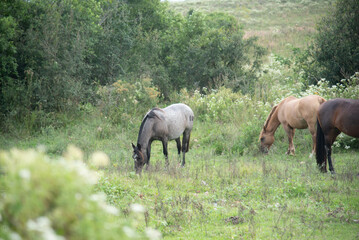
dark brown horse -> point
(335, 116)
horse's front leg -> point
(165, 152)
(148, 155)
(290, 133)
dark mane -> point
(150, 114)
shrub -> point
(45, 198)
(122, 100)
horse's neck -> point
(273, 123)
(144, 136)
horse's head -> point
(266, 140)
(138, 157)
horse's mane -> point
(269, 117)
(150, 114)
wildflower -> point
(98, 197)
(99, 159)
(43, 226)
(78, 166)
(137, 208)
(41, 148)
(110, 209)
(14, 236)
(25, 174)
(73, 153)
(129, 232)
(153, 234)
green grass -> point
(218, 194)
(279, 25)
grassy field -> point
(217, 195)
(279, 25)
(228, 189)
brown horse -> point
(292, 113)
(335, 116)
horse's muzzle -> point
(264, 149)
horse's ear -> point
(139, 146)
(133, 146)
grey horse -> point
(163, 124)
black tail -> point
(321, 154)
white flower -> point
(98, 197)
(14, 236)
(110, 209)
(43, 226)
(73, 153)
(25, 174)
(99, 159)
(137, 208)
(41, 148)
(153, 234)
(129, 232)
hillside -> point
(278, 24)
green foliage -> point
(45, 198)
(122, 101)
(334, 54)
(57, 54)
(213, 53)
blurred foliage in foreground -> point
(54, 199)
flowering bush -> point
(44, 198)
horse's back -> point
(342, 114)
(309, 106)
(179, 118)
(300, 112)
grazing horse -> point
(335, 116)
(292, 113)
(163, 124)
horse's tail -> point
(320, 149)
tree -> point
(336, 46)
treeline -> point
(55, 54)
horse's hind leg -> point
(329, 140)
(290, 133)
(178, 141)
(329, 154)
(165, 152)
